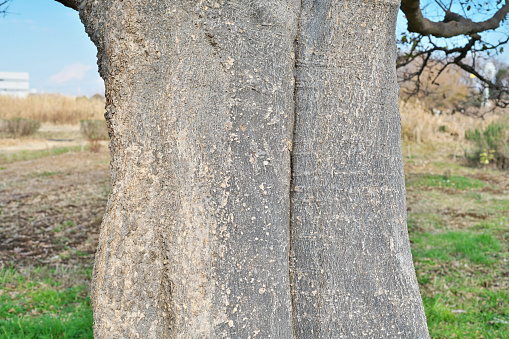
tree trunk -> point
(351, 273)
(226, 219)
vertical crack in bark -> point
(291, 148)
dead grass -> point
(52, 108)
(419, 125)
(19, 127)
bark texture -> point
(201, 102)
(352, 270)
(195, 242)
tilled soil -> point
(51, 209)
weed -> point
(436, 310)
(478, 197)
(486, 156)
(482, 317)
(425, 222)
(491, 143)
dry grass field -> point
(419, 125)
(52, 108)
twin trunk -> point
(257, 180)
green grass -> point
(472, 319)
(7, 158)
(49, 174)
(426, 221)
(456, 245)
(433, 180)
(45, 303)
(64, 225)
(459, 231)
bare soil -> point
(51, 209)
(47, 137)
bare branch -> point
(70, 3)
(439, 3)
(4, 6)
(424, 55)
(453, 24)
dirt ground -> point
(47, 137)
(51, 208)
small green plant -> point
(486, 156)
(19, 127)
(491, 145)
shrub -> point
(19, 127)
(491, 143)
(94, 129)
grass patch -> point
(456, 245)
(45, 303)
(7, 158)
(426, 221)
(48, 174)
(458, 229)
(486, 318)
(64, 225)
(433, 180)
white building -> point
(15, 84)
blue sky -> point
(47, 40)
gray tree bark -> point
(228, 220)
(352, 273)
